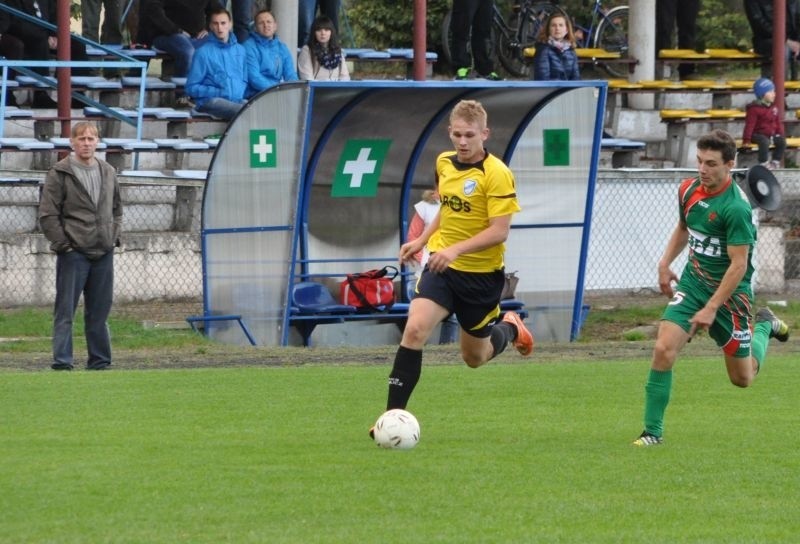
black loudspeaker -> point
(761, 186)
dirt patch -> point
(600, 342)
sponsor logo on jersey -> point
(705, 245)
(456, 204)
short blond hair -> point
(470, 111)
(84, 126)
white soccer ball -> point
(397, 429)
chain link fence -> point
(159, 257)
(633, 216)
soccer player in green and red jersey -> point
(714, 292)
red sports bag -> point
(372, 290)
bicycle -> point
(509, 39)
(607, 30)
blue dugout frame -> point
(323, 114)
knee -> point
(663, 355)
(472, 360)
(741, 381)
(474, 357)
(414, 337)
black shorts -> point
(474, 297)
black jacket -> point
(25, 30)
(760, 16)
(166, 17)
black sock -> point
(502, 334)
(404, 376)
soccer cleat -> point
(493, 77)
(780, 330)
(372, 432)
(462, 73)
(524, 341)
(646, 439)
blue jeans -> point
(76, 274)
(181, 47)
(221, 108)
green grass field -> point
(534, 452)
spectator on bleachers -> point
(178, 27)
(683, 15)
(268, 59)
(307, 12)
(555, 56)
(217, 80)
(763, 125)
(242, 18)
(23, 39)
(90, 21)
(321, 58)
(471, 31)
(760, 16)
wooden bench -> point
(592, 56)
(624, 152)
(363, 56)
(672, 58)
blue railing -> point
(24, 67)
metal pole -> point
(420, 45)
(63, 74)
(285, 13)
(779, 53)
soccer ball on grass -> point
(396, 429)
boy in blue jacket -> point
(217, 80)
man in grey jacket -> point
(80, 213)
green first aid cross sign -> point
(263, 151)
(556, 147)
(359, 168)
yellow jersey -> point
(470, 195)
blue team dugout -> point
(314, 180)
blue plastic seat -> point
(314, 298)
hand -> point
(665, 279)
(439, 261)
(794, 47)
(52, 42)
(409, 250)
(202, 34)
(702, 320)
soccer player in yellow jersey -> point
(464, 274)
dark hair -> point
(217, 12)
(719, 140)
(323, 22)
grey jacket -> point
(69, 218)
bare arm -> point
(678, 240)
(412, 247)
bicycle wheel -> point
(612, 35)
(520, 33)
